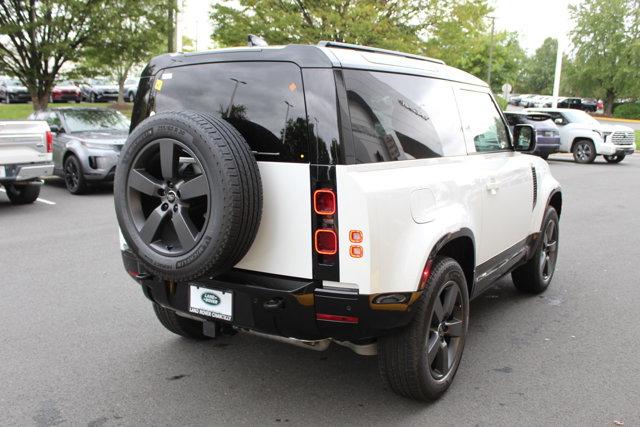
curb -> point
(612, 119)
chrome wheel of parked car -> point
(584, 151)
(168, 194)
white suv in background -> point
(331, 193)
(587, 138)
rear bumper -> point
(66, 97)
(26, 172)
(281, 306)
(98, 164)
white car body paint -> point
(379, 200)
(283, 243)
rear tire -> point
(614, 158)
(179, 325)
(421, 360)
(22, 194)
(535, 276)
(584, 151)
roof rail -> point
(378, 50)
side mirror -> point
(524, 138)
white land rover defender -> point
(330, 193)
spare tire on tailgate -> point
(188, 195)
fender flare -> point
(462, 232)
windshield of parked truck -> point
(94, 120)
(576, 116)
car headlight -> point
(98, 146)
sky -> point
(534, 20)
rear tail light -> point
(49, 139)
(324, 202)
(326, 241)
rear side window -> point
(401, 117)
(263, 100)
(482, 124)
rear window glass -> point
(401, 117)
(263, 100)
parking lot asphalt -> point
(80, 345)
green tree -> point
(386, 24)
(453, 30)
(38, 37)
(136, 32)
(539, 69)
(606, 40)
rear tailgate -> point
(23, 142)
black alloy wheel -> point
(420, 360)
(168, 197)
(446, 330)
(549, 251)
(73, 175)
(535, 275)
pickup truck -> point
(25, 155)
(576, 104)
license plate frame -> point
(212, 303)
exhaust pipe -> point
(370, 349)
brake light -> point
(326, 241)
(49, 139)
(324, 202)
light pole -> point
(493, 28)
(556, 78)
(233, 94)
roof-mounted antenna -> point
(256, 41)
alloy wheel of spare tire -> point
(188, 195)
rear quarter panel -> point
(403, 209)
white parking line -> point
(45, 201)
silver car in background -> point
(86, 143)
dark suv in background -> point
(547, 133)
